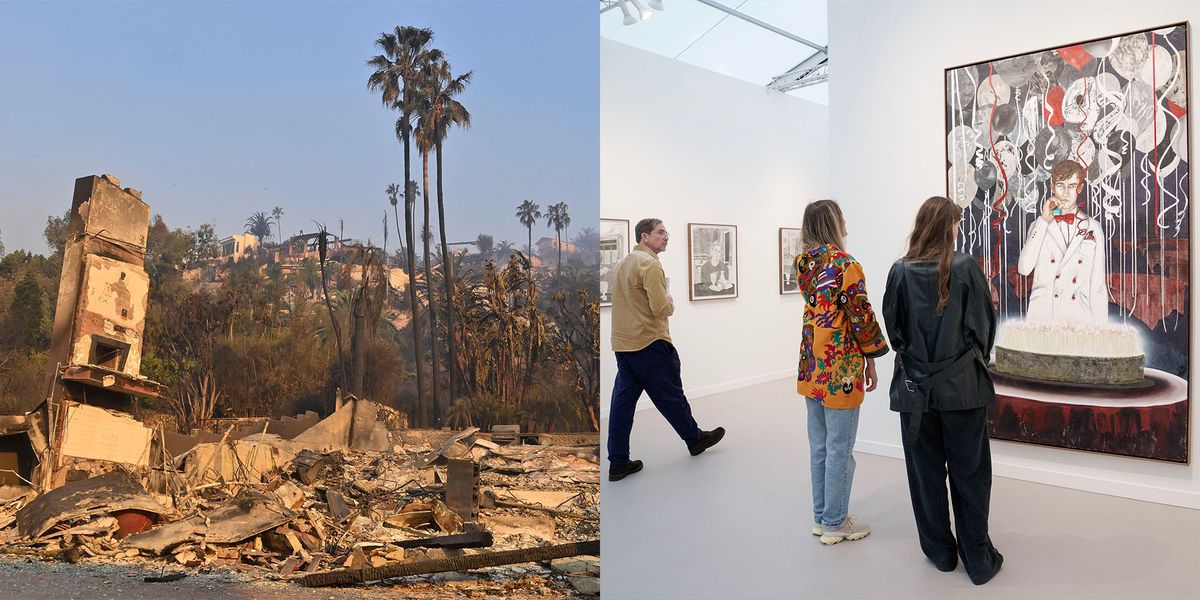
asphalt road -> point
(91, 579)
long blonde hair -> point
(822, 225)
(932, 239)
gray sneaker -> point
(850, 529)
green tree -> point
(205, 245)
(56, 232)
(528, 213)
(167, 251)
(310, 274)
(27, 316)
(259, 225)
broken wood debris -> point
(463, 563)
(265, 506)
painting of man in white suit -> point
(1072, 168)
(1065, 253)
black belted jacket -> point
(927, 342)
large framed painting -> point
(789, 247)
(614, 245)
(713, 252)
(1072, 168)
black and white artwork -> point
(789, 247)
(614, 245)
(713, 252)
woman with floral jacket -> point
(841, 340)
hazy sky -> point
(219, 109)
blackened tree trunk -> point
(433, 343)
(358, 341)
(415, 322)
(448, 278)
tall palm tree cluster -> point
(415, 79)
(557, 217)
(492, 330)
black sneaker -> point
(620, 473)
(707, 440)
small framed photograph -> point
(614, 245)
(713, 253)
(790, 245)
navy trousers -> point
(654, 370)
(953, 442)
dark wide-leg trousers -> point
(654, 370)
(954, 443)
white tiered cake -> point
(1071, 353)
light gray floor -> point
(734, 523)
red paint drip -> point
(998, 205)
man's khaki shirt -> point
(639, 301)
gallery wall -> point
(684, 144)
(887, 156)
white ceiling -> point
(700, 35)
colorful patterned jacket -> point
(840, 328)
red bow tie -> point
(1070, 219)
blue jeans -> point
(831, 433)
(654, 370)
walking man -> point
(646, 359)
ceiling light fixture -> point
(629, 18)
(643, 12)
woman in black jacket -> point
(941, 322)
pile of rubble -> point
(345, 501)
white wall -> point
(887, 149)
(683, 144)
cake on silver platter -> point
(1071, 353)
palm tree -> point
(277, 213)
(442, 111)
(557, 217)
(259, 225)
(405, 51)
(528, 213)
(504, 249)
(423, 110)
(393, 192)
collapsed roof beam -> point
(769, 27)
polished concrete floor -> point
(734, 523)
